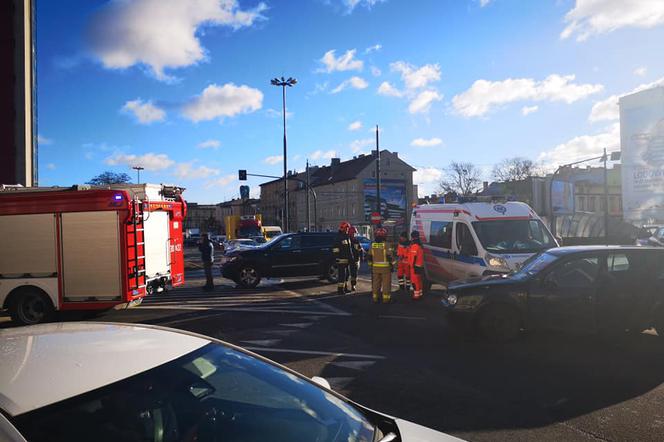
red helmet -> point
(352, 230)
(380, 232)
(344, 226)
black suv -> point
(290, 254)
(587, 288)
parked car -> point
(607, 289)
(652, 236)
(290, 254)
(157, 384)
(365, 243)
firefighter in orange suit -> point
(403, 268)
(380, 260)
(416, 262)
(343, 254)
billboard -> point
(393, 198)
(642, 149)
(562, 197)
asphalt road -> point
(403, 360)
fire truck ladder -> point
(136, 247)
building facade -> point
(202, 216)
(344, 191)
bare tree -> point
(461, 178)
(515, 169)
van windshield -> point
(513, 236)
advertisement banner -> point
(562, 197)
(393, 198)
(642, 146)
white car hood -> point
(411, 432)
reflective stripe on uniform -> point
(335, 250)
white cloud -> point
(41, 139)
(221, 181)
(223, 101)
(526, 110)
(355, 125)
(427, 179)
(273, 113)
(483, 3)
(423, 142)
(592, 17)
(641, 71)
(352, 82)
(387, 89)
(50, 166)
(209, 144)
(484, 95)
(319, 154)
(352, 4)
(374, 48)
(361, 146)
(274, 159)
(151, 161)
(345, 62)
(582, 147)
(607, 109)
(416, 77)
(144, 111)
(422, 101)
(188, 171)
(375, 71)
(161, 34)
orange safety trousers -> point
(416, 259)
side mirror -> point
(322, 382)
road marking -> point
(312, 352)
(213, 315)
(353, 365)
(263, 342)
(339, 383)
(412, 318)
(298, 325)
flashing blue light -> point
(117, 197)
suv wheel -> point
(498, 323)
(248, 277)
(31, 306)
(332, 273)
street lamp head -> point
(275, 82)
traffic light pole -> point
(378, 205)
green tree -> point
(106, 178)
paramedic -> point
(380, 261)
(416, 262)
(403, 269)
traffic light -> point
(242, 175)
(244, 192)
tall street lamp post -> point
(290, 82)
(138, 173)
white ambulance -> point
(472, 239)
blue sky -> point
(181, 87)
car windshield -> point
(513, 236)
(534, 265)
(213, 394)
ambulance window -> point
(441, 234)
(465, 241)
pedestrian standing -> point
(380, 260)
(416, 262)
(343, 254)
(206, 248)
(403, 268)
(354, 265)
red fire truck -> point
(87, 248)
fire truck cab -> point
(87, 248)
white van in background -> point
(470, 239)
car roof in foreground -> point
(44, 364)
(560, 251)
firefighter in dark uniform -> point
(357, 257)
(344, 254)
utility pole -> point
(307, 191)
(606, 200)
(138, 173)
(378, 205)
(283, 83)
